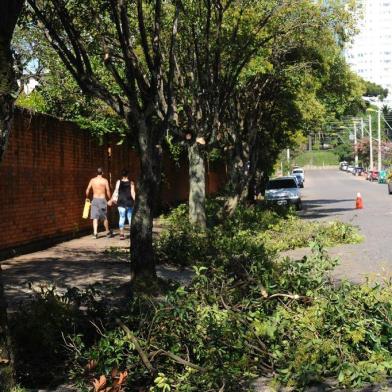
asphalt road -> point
(330, 195)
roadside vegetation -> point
(202, 82)
(249, 229)
(317, 158)
(246, 313)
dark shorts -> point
(99, 209)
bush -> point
(250, 229)
(245, 314)
(241, 320)
(38, 330)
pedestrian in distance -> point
(100, 188)
(124, 196)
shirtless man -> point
(100, 187)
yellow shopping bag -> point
(86, 209)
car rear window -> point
(278, 184)
(298, 171)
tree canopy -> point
(239, 79)
(375, 90)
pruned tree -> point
(219, 40)
(122, 53)
(9, 14)
(260, 123)
(287, 89)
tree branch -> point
(143, 35)
(86, 80)
(138, 348)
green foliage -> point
(342, 334)
(222, 323)
(57, 93)
(248, 233)
(245, 314)
(240, 319)
(345, 152)
(375, 90)
(33, 101)
(176, 150)
(300, 83)
(18, 388)
(294, 233)
(38, 330)
(100, 125)
(342, 89)
(317, 158)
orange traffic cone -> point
(359, 202)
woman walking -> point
(124, 197)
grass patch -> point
(316, 158)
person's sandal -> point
(122, 237)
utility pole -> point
(379, 162)
(362, 132)
(355, 144)
(288, 161)
(371, 143)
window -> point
(283, 183)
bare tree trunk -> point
(197, 186)
(8, 91)
(251, 191)
(235, 183)
(9, 13)
(6, 114)
(142, 254)
(6, 365)
(250, 181)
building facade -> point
(370, 53)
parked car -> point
(382, 177)
(300, 180)
(350, 169)
(389, 182)
(298, 171)
(343, 165)
(372, 175)
(358, 171)
(283, 191)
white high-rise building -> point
(370, 54)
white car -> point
(343, 165)
(283, 191)
(299, 172)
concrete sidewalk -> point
(77, 263)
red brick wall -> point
(46, 169)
